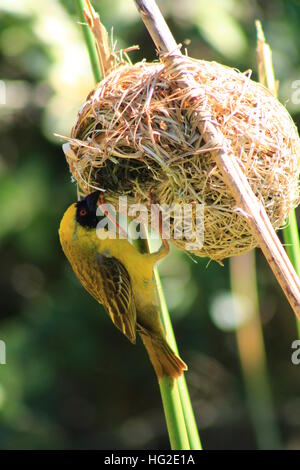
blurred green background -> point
(71, 379)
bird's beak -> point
(92, 200)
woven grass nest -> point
(137, 133)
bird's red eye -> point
(82, 212)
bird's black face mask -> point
(86, 210)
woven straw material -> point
(138, 134)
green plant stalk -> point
(178, 417)
(189, 417)
(292, 241)
(89, 40)
(174, 414)
(180, 383)
(179, 428)
(292, 246)
(267, 78)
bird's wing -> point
(118, 296)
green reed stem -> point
(89, 40)
(189, 417)
(292, 246)
(174, 414)
(292, 241)
(267, 78)
(171, 391)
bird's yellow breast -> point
(81, 245)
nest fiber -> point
(137, 134)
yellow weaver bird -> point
(121, 279)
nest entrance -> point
(119, 177)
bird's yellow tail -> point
(164, 360)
